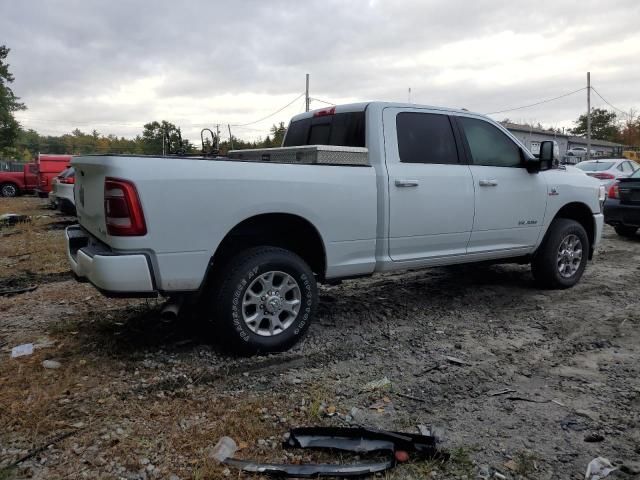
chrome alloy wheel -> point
(271, 303)
(569, 256)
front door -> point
(430, 188)
(510, 202)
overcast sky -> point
(115, 65)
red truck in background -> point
(16, 183)
(49, 167)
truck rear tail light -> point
(614, 192)
(122, 209)
(604, 176)
(325, 112)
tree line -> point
(28, 143)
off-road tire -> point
(230, 289)
(545, 261)
(625, 231)
(9, 190)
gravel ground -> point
(517, 378)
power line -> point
(538, 103)
(605, 101)
(323, 101)
(271, 114)
(136, 124)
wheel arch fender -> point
(279, 229)
(581, 213)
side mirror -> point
(549, 153)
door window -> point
(488, 145)
(626, 167)
(425, 138)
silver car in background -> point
(608, 170)
(61, 196)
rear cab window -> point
(595, 166)
(345, 129)
(426, 138)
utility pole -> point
(588, 115)
(306, 95)
(230, 137)
(409, 96)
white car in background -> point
(61, 195)
(579, 152)
(608, 170)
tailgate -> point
(89, 194)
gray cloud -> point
(115, 65)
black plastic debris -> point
(394, 446)
(361, 440)
(10, 219)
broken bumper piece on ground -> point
(311, 470)
(355, 440)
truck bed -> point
(191, 202)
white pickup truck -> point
(389, 187)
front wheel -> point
(266, 300)
(8, 190)
(561, 259)
(625, 231)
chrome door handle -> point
(407, 183)
(488, 183)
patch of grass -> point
(318, 395)
(460, 462)
(31, 248)
(525, 463)
(7, 473)
(412, 471)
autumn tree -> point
(630, 129)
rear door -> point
(430, 187)
(31, 176)
(510, 202)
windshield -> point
(635, 174)
(594, 166)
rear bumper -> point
(113, 273)
(616, 213)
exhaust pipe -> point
(171, 309)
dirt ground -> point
(137, 397)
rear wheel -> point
(561, 259)
(625, 231)
(266, 300)
(9, 190)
